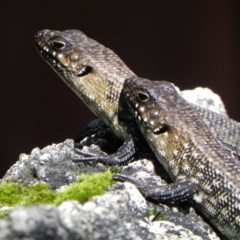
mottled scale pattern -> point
(184, 139)
(223, 128)
(94, 72)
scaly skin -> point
(97, 75)
(207, 171)
(94, 72)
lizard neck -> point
(101, 93)
(95, 73)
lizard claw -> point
(139, 183)
(96, 155)
(93, 154)
(125, 178)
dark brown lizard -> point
(203, 169)
(96, 74)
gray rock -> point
(52, 165)
(206, 98)
(121, 213)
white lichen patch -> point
(205, 97)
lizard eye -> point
(58, 45)
(142, 96)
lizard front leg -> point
(122, 156)
(98, 133)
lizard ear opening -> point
(84, 71)
(142, 96)
(161, 129)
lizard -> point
(96, 74)
(203, 170)
(84, 64)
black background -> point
(191, 43)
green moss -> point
(88, 186)
(3, 214)
(12, 194)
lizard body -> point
(202, 168)
(96, 74)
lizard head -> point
(152, 102)
(63, 52)
(94, 72)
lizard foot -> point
(171, 193)
(94, 154)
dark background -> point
(191, 43)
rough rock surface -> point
(52, 165)
(206, 98)
(121, 213)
